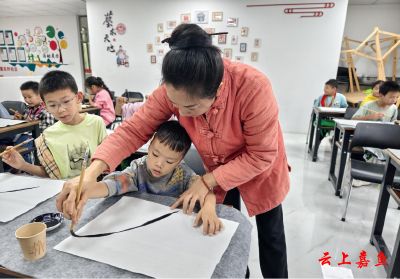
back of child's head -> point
(389, 86)
(57, 80)
(333, 83)
(97, 81)
(173, 135)
(30, 85)
(378, 82)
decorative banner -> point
(121, 28)
(326, 5)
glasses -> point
(65, 104)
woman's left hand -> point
(196, 192)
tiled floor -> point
(312, 216)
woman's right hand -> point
(376, 115)
(14, 159)
(65, 201)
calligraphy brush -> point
(14, 147)
(376, 111)
(78, 195)
(16, 112)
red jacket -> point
(240, 140)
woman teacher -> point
(231, 115)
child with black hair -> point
(374, 96)
(61, 147)
(104, 98)
(33, 111)
(162, 172)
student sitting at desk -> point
(104, 99)
(382, 110)
(162, 172)
(330, 98)
(33, 111)
(374, 96)
(61, 147)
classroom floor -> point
(312, 216)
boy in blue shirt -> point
(330, 99)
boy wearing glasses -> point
(61, 147)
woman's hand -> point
(65, 201)
(14, 159)
(196, 192)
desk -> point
(317, 114)
(62, 265)
(393, 259)
(91, 110)
(31, 126)
(344, 147)
(354, 97)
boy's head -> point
(375, 87)
(167, 149)
(331, 87)
(59, 87)
(30, 92)
(389, 92)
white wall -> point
(360, 22)
(10, 87)
(297, 54)
(71, 55)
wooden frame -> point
(243, 47)
(375, 45)
(186, 17)
(217, 16)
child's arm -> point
(208, 216)
(15, 160)
(372, 116)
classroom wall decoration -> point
(326, 5)
(201, 17)
(32, 51)
(186, 18)
(121, 28)
(122, 57)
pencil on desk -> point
(78, 195)
(16, 112)
(14, 147)
(376, 111)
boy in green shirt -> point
(65, 142)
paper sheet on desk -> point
(395, 152)
(171, 247)
(14, 204)
(9, 122)
(339, 110)
(353, 123)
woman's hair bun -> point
(188, 36)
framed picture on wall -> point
(232, 22)
(21, 54)
(158, 40)
(9, 38)
(209, 30)
(153, 59)
(149, 47)
(2, 40)
(160, 52)
(186, 18)
(239, 58)
(217, 16)
(222, 38)
(3, 54)
(257, 42)
(245, 31)
(227, 53)
(234, 40)
(171, 24)
(201, 17)
(160, 27)
(243, 47)
(254, 56)
(12, 54)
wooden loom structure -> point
(375, 45)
